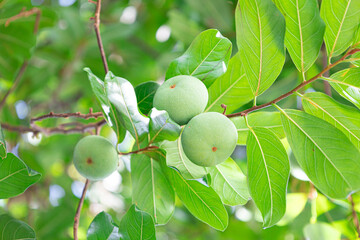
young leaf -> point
(304, 31)
(344, 117)
(347, 84)
(206, 58)
(320, 231)
(2, 145)
(268, 174)
(231, 89)
(151, 190)
(161, 127)
(268, 120)
(319, 148)
(11, 228)
(137, 225)
(15, 177)
(175, 157)
(103, 227)
(145, 94)
(260, 32)
(229, 183)
(121, 93)
(342, 19)
(111, 115)
(200, 200)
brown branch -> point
(354, 214)
(319, 75)
(78, 210)
(67, 115)
(145, 149)
(28, 13)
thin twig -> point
(319, 75)
(78, 210)
(145, 149)
(28, 13)
(67, 115)
(354, 214)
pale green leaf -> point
(13, 229)
(161, 127)
(321, 231)
(319, 148)
(103, 227)
(268, 174)
(229, 183)
(295, 204)
(260, 33)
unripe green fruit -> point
(183, 97)
(209, 139)
(95, 157)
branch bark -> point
(78, 210)
(91, 114)
(354, 214)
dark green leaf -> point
(321, 231)
(15, 177)
(137, 225)
(318, 147)
(162, 127)
(13, 229)
(268, 174)
(103, 227)
(2, 144)
(206, 58)
(145, 94)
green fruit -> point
(95, 157)
(183, 97)
(209, 139)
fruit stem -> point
(78, 210)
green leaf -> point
(319, 148)
(2, 144)
(151, 190)
(161, 127)
(206, 58)
(295, 204)
(231, 89)
(103, 227)
(344, 117)
(15, 177)
(268, 120)
(11, 229)
(145, 94)
(260, 32)
(268, 174)
(121, 93)
(356, 56)
(347, 84)
(175, 157)
(229, 183)
(320, 231)
(111, 115)
(200, 200)
(342, 19)
(137, 225)
(304, 31)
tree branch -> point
(145, 149)
(28, 13)
(91, 114)
(319, 75)
(78, 210)
(354, 214)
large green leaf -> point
(342, 19)
(175, 157)
(229, 183)
(321, 231)
(111, 115)
(268, 174)
(304, 31)
(269, 120)
(152, 192)
(15, 177)
(347, 84)
(2, 144)
(137, 225)
(260, 33)
(200, 200)
(145, 94)
(319, 148)
(161, 127)
(344, 117)
(206, 58)
(231, 89)
(103, 227)
(12, 229)
(121, 93)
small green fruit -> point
(95, 157)
(209, 139)
(183, 97)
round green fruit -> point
(209, 139)
(183, 97)
(95, 157)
